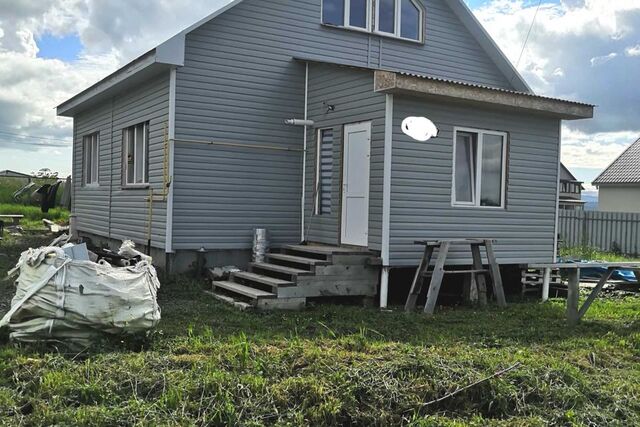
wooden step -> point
(243, 290)
(308, 262)
(293, 272)
(264, 280)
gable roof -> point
(624, 170)
(14, 174)
(171, 54)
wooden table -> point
(14, 218)
(574, 311)
(477, 272)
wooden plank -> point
(451, 242)
(243, 290)
(436, 279)
(578, 265)
(416, 286)
(594, 293)
(481, 280)
(573, 296)
(280, 269)
(241, 305)
(265, 280)
(297, 260)
(496, 277)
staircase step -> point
(293, 272)
(265, 280)
(243, 290)
(310, 262)
(327, 250)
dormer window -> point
(400, 18)
(395, 18)
(347, 13)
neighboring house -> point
(619, 184)
(570, 191)
(191, 134)
(13, 174)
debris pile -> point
(64, 297)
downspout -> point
(171, 137)
(386, 200)
(304, 151)
(555, 230)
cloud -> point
(581, 50)
(600, 60)
(633, 50)
(112, 32)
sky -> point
(587, 50)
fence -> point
(607, 231)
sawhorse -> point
(477, 272)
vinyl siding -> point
(109, 210)
(239, 83)
(422, 179)
(351, 92)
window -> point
(324, 172)
(91, 159)
(479, 168)
(135, 154)
(348, 13)
(401, 18)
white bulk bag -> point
(59, 299)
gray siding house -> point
(619, 184)
(186, 147)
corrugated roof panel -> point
(625, 169)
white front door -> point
(355, 184)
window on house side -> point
(348, 13)
(91, 159)
(401, 18)
(387, 16)
(479, 168)
(136, 154)
(333, 12)
(324, 172)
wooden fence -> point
(607, 231)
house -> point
(186, 148)
(570, 191)
(619, 184)
(13, 174)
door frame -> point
(367, 126)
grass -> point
(209, 364)
(33, 216)
(589, 253)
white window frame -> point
(91, 155)
(316, 207)
(477, 176)
(347, 16)
(145, 156)
(398, 22)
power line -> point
(43, 138)
(526, 40)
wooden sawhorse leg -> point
(418, 280)
(496, 278)
(481, 279)
(573, 294)
(436, 279)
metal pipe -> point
(299, 122)
(384, 287)
(304, 151)
(236, 144)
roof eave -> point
(390, 82)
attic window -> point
(347, 13)
(400, 18)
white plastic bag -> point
(59, 299)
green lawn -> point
(589, 253)
(209, 364)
